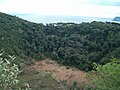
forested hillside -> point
(77, 45)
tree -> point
(108, 77)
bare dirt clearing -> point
(59, 72)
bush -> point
(108, 76)
(9, 74)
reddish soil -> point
(60, 73)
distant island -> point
(116, 19)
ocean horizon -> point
(46, 19)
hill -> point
(77, 45)
(12, 31)
(116, 19)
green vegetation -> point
(9, 74)
(77, 45)
(11, 78)
(41, 81)
(107, 77)
(71, 44)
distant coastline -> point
(116, 19)
(55, 19)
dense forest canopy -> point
(77, 45)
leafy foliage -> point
(108, 77)
(8, 73)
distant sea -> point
(55, 19)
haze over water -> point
(65, 19)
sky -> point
(91, 8)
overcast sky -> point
(94, 8)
